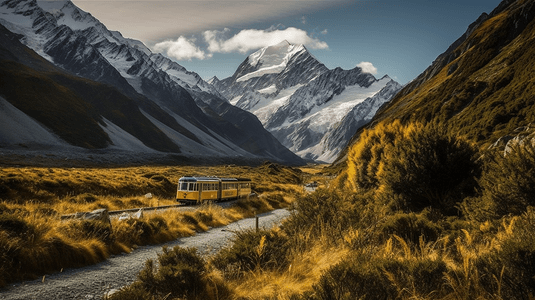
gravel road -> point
(93, 282)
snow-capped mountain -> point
(337, 136)
(168, 95)
(306, 106)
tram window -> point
(193, 187)
(183, 186)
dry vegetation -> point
(34, 240)
(418, 214)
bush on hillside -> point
(252, 250)
(181, 274)
(367, 277)
(508, 182)
(430, 168)
(365, 156)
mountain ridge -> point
(165, 92)
(482, 86)
(286, 87)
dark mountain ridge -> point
(72, 107)
(151, 89)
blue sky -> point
(398, 38)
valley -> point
(377, 190)
(37, 198)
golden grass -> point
(32, 200)
(304, 271)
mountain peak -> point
(283, 43)
(271, 60)
(213, 80)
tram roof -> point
(211, 179)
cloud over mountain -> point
(181, 49)
(367, 67)
(251, 39)
(220, 41)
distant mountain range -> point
(95, 89)
(310, 109)
(482, 87)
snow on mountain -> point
(338, 135)
(18, 128)
(271, 60)
(273, 71)
(123, 140)
(186, 79)
(170, 94)
(300, 101)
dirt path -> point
(93, 282)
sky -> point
(384, 37)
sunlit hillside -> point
(482, 87)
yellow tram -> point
(194, 190)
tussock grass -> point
(35, 241)
(369, 235)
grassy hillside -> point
(483, 86)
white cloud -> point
(303, 19)
(367, 67)
(252, 39)
(325, 31)
(181, 49)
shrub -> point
(515, 257)
(89, 229)
(411, 227)
(15, 225)
(251, 250)
(508, 182)
(414, 166)
(429, 168)
(365, 156)
(366, 277)
(31, 248)
(324, 211)
(181, 273)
